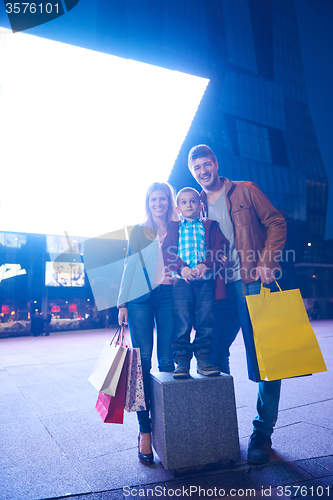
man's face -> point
(189, 205)
(205, 171)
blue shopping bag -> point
(251, 355)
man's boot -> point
(204, 366)
(259, 448)
(183, 360)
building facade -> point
(254, 114)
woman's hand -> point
(223, 260)
(123, 316)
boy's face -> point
(189, 205)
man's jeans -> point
(227, 325)
(193, 307)
(142, 316)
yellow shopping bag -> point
(285, 342)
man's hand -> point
(265, 274)
(123, 316)
(201, 270)
(188, 274)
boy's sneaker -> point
(205, 367)
(183, 366)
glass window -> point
(253, 141)
(11, 240)
(238, 30)
(248, 98)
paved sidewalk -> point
(54, 445)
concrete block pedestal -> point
(194, 420)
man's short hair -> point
(201, 151)
(186, 190)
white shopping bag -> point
(106, 373)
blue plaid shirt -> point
(192, 242)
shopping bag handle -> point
(263, 288)
(127, 338)
(119, 334)
(277, 284)
(262, 291)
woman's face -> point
(158, 204)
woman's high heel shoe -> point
(146, 459)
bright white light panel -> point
(83, 134)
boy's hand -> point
(201, 270)
(188, 274)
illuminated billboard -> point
(61, 274)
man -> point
(256, 232)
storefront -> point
(40, 277)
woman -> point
(145, 298)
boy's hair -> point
(187, 190)
(201, 151)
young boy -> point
(195, 250)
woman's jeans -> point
(142, 317)
(226, 327)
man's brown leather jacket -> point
(259, 229)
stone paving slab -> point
(317, 467)
(116, 470)
(32, 375)
(15, 409)
(77, 369)
(301, 441)
(317, 387)
(52, 399)
(245, 415)
(82, 436)
(7, 385)
(54, 478)
(318, 413)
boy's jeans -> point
(193, 307)
(227, 325)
